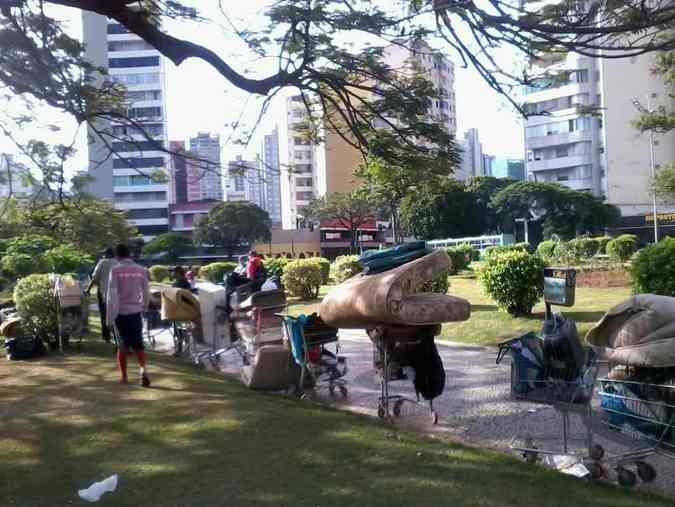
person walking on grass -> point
(127, 297)
(100, 278)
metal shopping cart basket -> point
(319, 367)
(645, 413)
(545, 378)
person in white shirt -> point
(100, 278)
(243, 264)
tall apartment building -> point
(245, 181)
(309, 171)
(206, 179)
(179, 188)
(472, 156)
(128, 178)
(564, 143)
(601, 153)
(271, 169)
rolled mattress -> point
(391, 298)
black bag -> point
(564, 355)
(24, 347)
(429, 372)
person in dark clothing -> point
(181, 281)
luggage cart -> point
(322, 370)
(387, 342)
(645, 413)
(72, 311)
(567, 388)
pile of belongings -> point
(17, 346)
(637, 338)
(550, 366)
(73, 308)
(385, 300)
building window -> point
(563, 177)
(136, 79)
(137, 163)
(137, 146)
(561, 151)
(144, 95)
(144, 112)
(140, 214)
(116, 28)
(136, 61)
(128, 45)
(304, 196)
(151, 129)
(140, 196)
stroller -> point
(72, 311)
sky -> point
(199, 99)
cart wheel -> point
(308, 394)
(530, 457)
(343, 391)
(645, 471)
(434, 417)
(380, 411)
(626, 477)
(331, 390)
(397, 408)
(595, 470)
(597, 452)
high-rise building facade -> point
(271, 169)
(206, 178)
(508, 168)
(136, 177)
(563, 141)
(472, 156)
(245, 181)
(309, 170)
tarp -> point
(640, 332)
(391, 298)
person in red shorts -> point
(128, 297)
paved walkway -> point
(475, 407)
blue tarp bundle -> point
(377, 261)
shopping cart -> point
(555, 381)
(391, 348)
(319, 367)
(644, 412)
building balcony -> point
(148, 221)
(559, 163)
(141, 188)
(533, 143)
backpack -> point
(429, 372)
(24, 347)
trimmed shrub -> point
(460, 257)
(216, 271)
(602, 244)
(344, 267)
(324, 265)
(67, 259)
(36, 306)
(440, 284)
(546, 249)
(302, 278)
(622, 247)
(159, 273)
(275, 267)
(514, 280)
(21, 264)
(569, 252)
(518, 247)
(589, 247)
(653, 269)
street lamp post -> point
(652, 164)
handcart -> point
(391, 345)
(645, 413)
(72, 310)
(319, 367)
(552, 380)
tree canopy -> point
(171, 244)
(232, 224)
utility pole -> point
(653, 172)
(525, 222)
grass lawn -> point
(197, 439)
(489, 326)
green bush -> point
(460, 257)
(21, 264)
(33, 245)
(569, 252)
(275, 267)
(302, 278)
(324, 265)
(518, 247)
(602, 244)
(344, 267)
(622, 247)
(546, 249)
(159, 273)
(440, 284)
(589, 247)
(36, 306)
(216, 271)
(514, 280)
(67, 259)
(653, 269)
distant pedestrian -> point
(100, 278)
(254, 265)
(241, 267)
(181, 282)
(127, 298)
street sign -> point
(560, 286)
